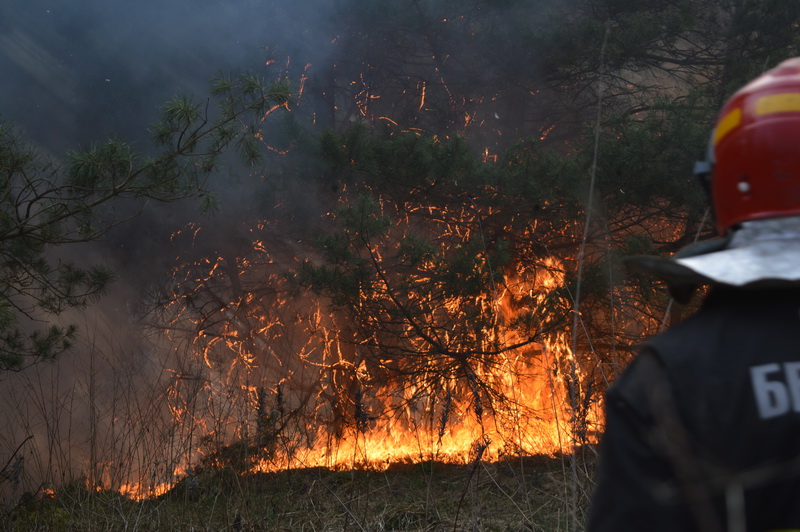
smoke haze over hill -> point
(76, 72)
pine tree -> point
(46, 204)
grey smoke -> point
(75, 72)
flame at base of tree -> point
(400, 350)
(532, 418)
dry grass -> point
(523, 494)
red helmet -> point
(756, 150)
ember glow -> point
(274, 376)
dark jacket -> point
(703, 429)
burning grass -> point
(522, 494)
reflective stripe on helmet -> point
(786, 102)
(728, 124)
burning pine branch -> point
(383, 345)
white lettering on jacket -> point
(776, 388)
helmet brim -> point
(764, 253)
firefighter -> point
(703, 428)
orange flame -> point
(273, 374)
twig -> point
(581, 256)
(11, 458)
(509, 497)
